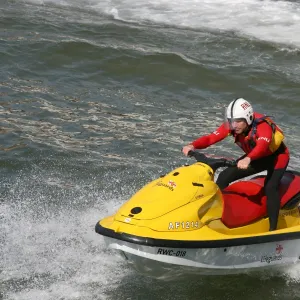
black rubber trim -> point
(151, 242)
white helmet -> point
(240, 109)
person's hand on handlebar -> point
(244, 163)
(186, 149)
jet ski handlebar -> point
(214, 163)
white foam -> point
(272, 21)
(55, 255)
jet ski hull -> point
(164, 262)
(156, 257)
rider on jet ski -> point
(262, 141)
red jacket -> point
(262, 139)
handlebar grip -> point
(191, 153)
(230, 163)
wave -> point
(272, 21)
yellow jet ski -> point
(182, 222)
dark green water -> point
(97, 98)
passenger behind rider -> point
(261, 140)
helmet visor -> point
(230, 120)
(237, 120)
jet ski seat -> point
(245, 202)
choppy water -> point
(97, 98)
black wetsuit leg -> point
(233, 173)
(273, 198)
